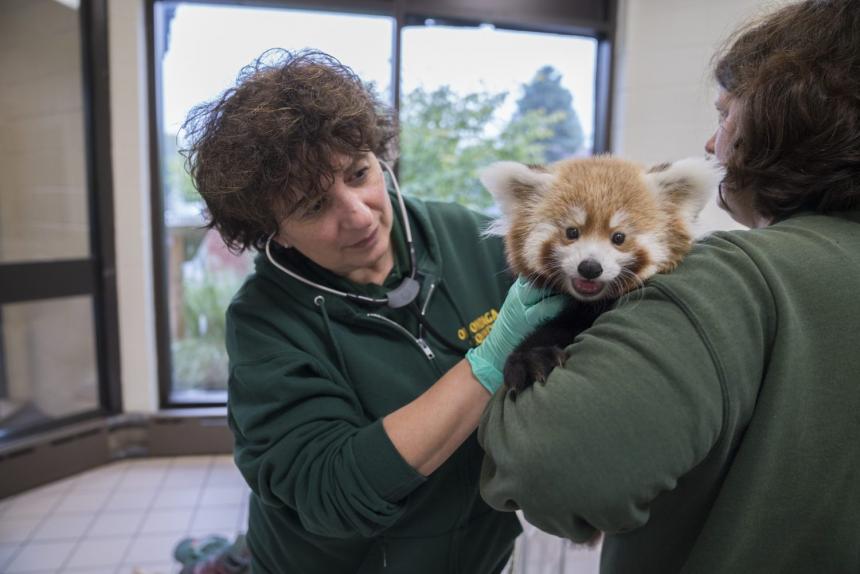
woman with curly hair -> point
(352, 407)
(713, 424)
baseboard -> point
(180, 433)
(38, 460)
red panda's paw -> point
(524, 368)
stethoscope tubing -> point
(409, 304)
(355, 296)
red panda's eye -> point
(572, 233)
(618, 238)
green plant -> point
(199, 357)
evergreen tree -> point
(545, 93)
(445, 138)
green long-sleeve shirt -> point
(709, 423)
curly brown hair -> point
(267, 146)
(796, 77)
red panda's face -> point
(594, 228)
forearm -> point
(429, 429)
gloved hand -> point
(525, 308)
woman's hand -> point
(525, 308)
(429, 429)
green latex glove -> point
(524, 309)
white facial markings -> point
(647, 271)
(576, 216)
(533, 246)
(618, 219)
(656, 249)
(601, 250)
(497, 227)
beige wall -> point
(664, 94)
(131, 191)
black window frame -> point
(591, 18)
(95, 275)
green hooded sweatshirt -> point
(312, 374)
(710, 423)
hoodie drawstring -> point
(319, 301)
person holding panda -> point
(711, 422)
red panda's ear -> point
(685, 185)
(513, 184)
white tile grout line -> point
(200, 496)
(96, 513)
(146, 512)
(128, 467)
(27, 540)
(64, 493)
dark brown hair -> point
(796, 76)
(266, 147)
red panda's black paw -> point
(524, 368)
(516, 374)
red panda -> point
(594, 228)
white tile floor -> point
(126, 518)
(122, 518)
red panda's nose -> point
(590, 269)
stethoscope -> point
(404, 295)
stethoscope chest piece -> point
(404, 294)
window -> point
(49, 362)
(194, 65)
(521, 96)
(526, 91)
(58, 351)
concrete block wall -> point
(49, 345)
(43, 199)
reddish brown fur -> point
(600, 186)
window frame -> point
(592, 18)
(95, 275)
